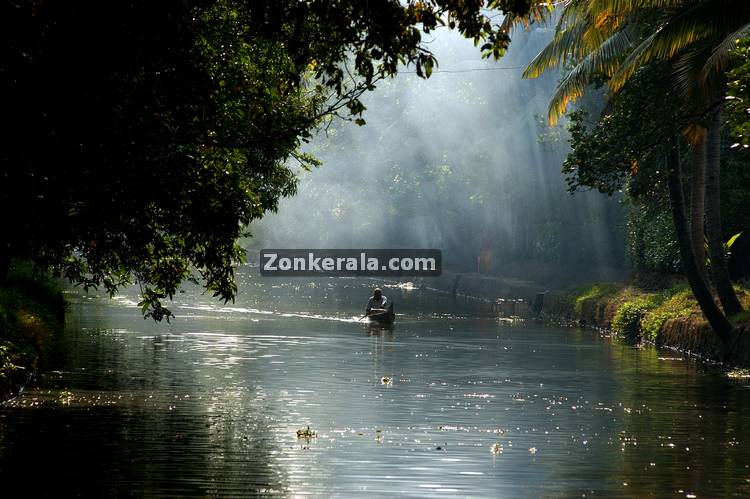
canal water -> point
(447, 403)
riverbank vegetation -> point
(670, 69)
(31, 312)
(640, 311)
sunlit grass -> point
(629, 315)
(743, 293)
(670, 304)
(593, 292)
(643, 314)
(31, 308)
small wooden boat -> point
(385, 317)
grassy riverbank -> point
(31, 311)
(657, 309)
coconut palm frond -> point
(665, 43)
(602, 61)
(569, 90)
(609, 53)
(698, 20)
(631, 63)
(627, 6)
(599, 34)
(685, 73)
(572, 45)
(564, 47)
(573, 12)
(719, 57)
(606, 17)
(675, 36)
(596, 35)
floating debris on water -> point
(306, 433)
(66, 397)
(496, 449)
(513, 320)
(478, 395)
(386, 380)
(627, 439)
(532, 450)
(739, 373)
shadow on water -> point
(138, 451)
(117, 419)
(375, 329)
(685, 431)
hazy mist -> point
(461, 162)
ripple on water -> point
(208, 411)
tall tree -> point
(715, 317)
(700, 34)
(715, 234)
(697, 138)
(146, 135)
(607, 38)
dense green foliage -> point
(625, 146)
(144, 136)
(735, 184)
(615, 42)
(670, 304)
(738, 91)
(652, 244)
(31, 313)
(641, 315)
(627, 319)
(593, 293)
(636, 314)
(624, 149)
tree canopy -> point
(144, 136)
(613, 41)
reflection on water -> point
(446, 402)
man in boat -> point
(376, 303)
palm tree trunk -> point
(697, 202)
(719, 268)
(713, 313)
